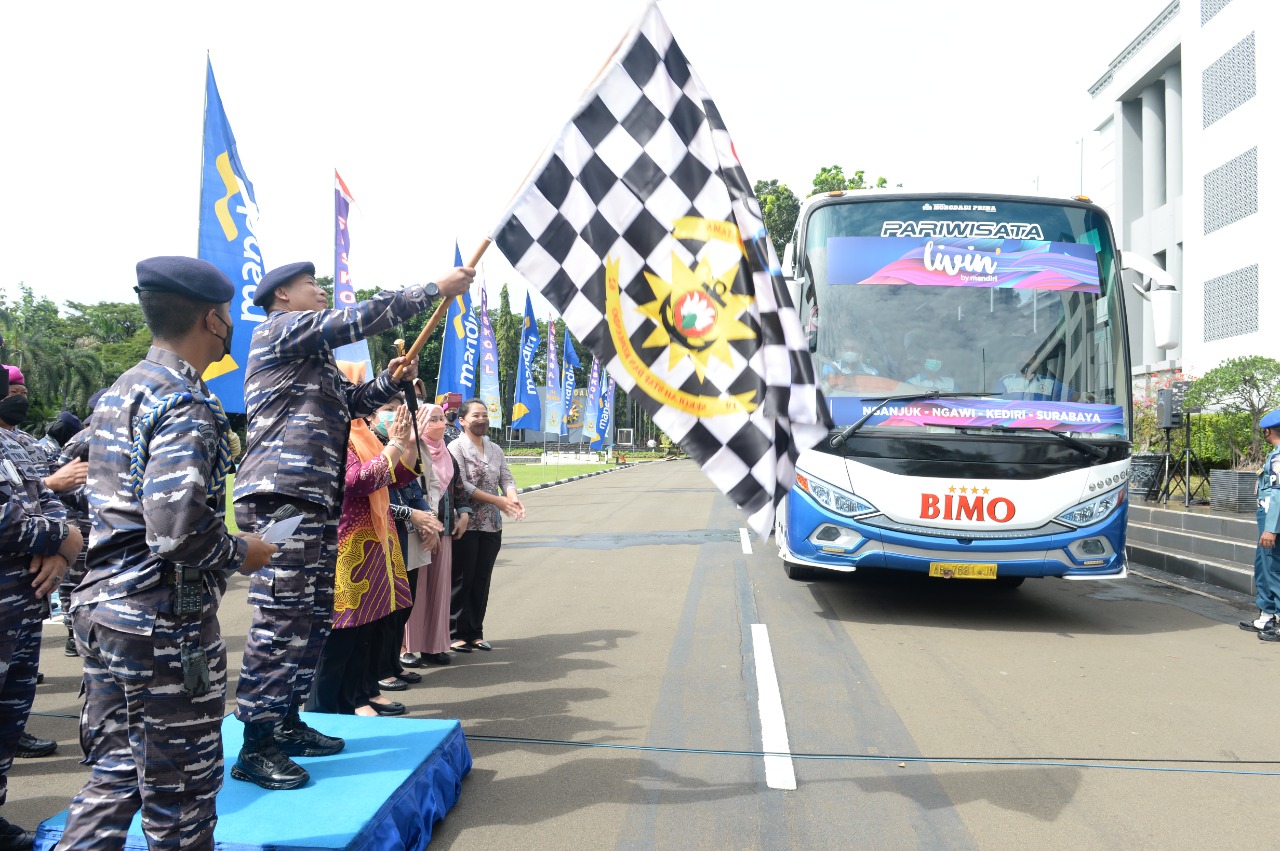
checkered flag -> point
(642, 230)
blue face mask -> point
(384, 421)
(932, 365)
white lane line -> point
(779, 771)
(746, 540)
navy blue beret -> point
(184, 276)
(1271, 420)
(64, 427)
(278, 277)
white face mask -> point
(851, 358)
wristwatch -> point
(431, 289)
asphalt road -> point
(622, 613)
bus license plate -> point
(961, 570)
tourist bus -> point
(973, 355)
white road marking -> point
(746, 540)
(779, 771)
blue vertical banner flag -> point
(592, 411)
(526, 411)
(604, 420)
(460, 350)
(570, 382)
(229, 240)
(344, 291)
(489, 390)
(555, 402)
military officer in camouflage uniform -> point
(299, 409)
(13, 413)
(145, 614)
(36, 545)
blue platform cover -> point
(394, 780)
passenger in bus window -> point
(922, 348)
(849, 364)
(1031, 382)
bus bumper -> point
(810, 535)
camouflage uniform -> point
(299, 410)
(32, 522)
(151, 744)
(77, 502)
(39, 457)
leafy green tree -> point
(831, 178)
(780, 208)
(506, 330)
(1246, 387)
(105, 322)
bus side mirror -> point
(789, 261)
(1156, 286)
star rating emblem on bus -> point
(963, 489)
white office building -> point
(1178, 156)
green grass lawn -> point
(538, 474)
(525, 475)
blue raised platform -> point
(394, 780)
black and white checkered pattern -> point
(646, 148)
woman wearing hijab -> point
(492, 490)
(417, 530)
(426, 635)
(370, 581)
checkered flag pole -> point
(641, 228)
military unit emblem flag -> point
(641, 228)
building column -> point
(1153, 158)
(1173, 191)
(1173, 132)
(1153, 191)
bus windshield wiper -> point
(841, 438)
(1079, 445)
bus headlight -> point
(1095, 509)
(829, 496)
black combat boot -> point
(262, 762)
(296, 738)
(15, 838)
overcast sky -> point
(434, 112)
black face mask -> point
(226, 341)
(13, 410)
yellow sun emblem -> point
(697, 315)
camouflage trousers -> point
(150, 746)
(292, 599)
(75, 573)
(20, 613)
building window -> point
(1231, 191)
(1231, 304)
(1209, 8)
(1228, 82)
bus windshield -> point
(1010, 304)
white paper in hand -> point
(282, 530)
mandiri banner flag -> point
(555, 402)
(460, 350)
(604, 420)
(527, 409)
(592, 412)
(344, 291)
(642, 230)
(568, 363)
(489, 390)
(229, 240)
